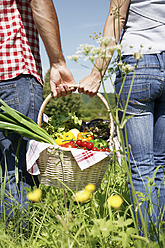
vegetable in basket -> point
(58, 124)
(100, 128)
(94, 145)
(75, 131)
(85, 136)
(62, 139)
(99, 143)
(70, 144)
(12, 120)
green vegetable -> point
(100, 128)
(99, 143)
(12, 120)
(58, 124)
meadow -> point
(56, 223)
(57, 220)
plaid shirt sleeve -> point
(19, 41)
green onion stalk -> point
(12, 120)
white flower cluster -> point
(105, 50)
(85, 49)
(137, 56)
(91, 52)
(106, 40)
(74, 57)
(126, 68)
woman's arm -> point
(112, 28)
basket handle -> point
(112, 127)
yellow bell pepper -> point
(66, 137)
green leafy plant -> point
(61, 123)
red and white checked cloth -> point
(34, 149)
(83, 158)
(19, 41)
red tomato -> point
(94, 149)
(79, 142)
(84, 144)
(69, 145)
(90, 145)
(101, 150)
(106, 149)
(72, 142)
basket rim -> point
(102, 98)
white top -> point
(145, 27)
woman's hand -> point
(90, 85)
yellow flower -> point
(35, 196)
(82, 196)
(115, 201)
(90, 187)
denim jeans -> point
(146, 128)
(23, 93)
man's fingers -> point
(53, 89)
(60, 90)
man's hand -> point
(90, 85)
(60, 78)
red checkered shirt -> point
(19, 41)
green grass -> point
(56, 223)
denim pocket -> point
(9, 94)
(139, 96)
(147, 61)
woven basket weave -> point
(58, 167)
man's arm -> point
(46, 21)
(112, 28)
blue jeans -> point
(146, 129)
(23, 93)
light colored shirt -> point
(145, 27)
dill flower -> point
(105, 40)
(85, 49)
(137, 56)
(127, 68)
(74, 57)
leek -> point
(12, 120)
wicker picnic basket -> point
(58, 167)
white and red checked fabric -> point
(83, 158)
(19, 41)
